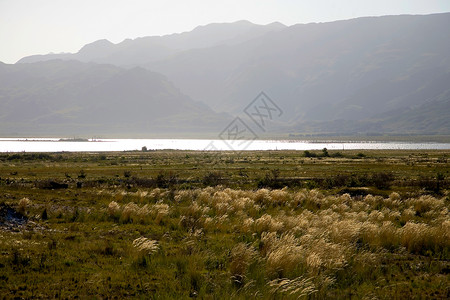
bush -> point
(337, 154)
(433, 184)
(166, 180)
(212, 179)
(382, 180)
(307, 153)
(271, 180)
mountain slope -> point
(351, 70)
(374, 74)
(58, 97)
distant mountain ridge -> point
(375, 74)
(70, 98)
(146, 49)
(362, 70)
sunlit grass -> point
(108, 235)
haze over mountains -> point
(384, 75)
(153, 48)
(71, 98)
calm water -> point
(54, 145)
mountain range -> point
(73, 98)
(383, 75)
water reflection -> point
(100, 145)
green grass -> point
(277, 225)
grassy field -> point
(263, 224)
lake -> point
(105, 145)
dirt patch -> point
(11, 219)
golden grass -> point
(186, 240)
(145, 246)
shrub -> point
(433, 184)
(307, 153)
(337, 154)
(212, 179)
(271, 180)
(166, 180)
(382, 180)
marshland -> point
(240, 225)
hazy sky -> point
(41, 26)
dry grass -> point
(307, 233)
(298, 287)
(145, 246)
(242, 256)
(24, 203)
(118, 236)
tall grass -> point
(283, 243)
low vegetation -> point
(175, 224)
